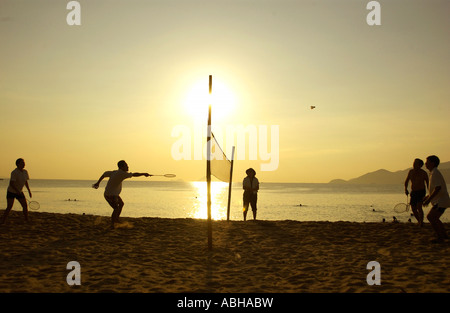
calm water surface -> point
(173, 199)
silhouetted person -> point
(114, 187)
(419, 185)
(19, 179)
(439, 198)
(251, 187)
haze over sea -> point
(175, 199)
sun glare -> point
(219, 200)
(197, 100)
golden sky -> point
(74, 100)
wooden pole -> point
(208, 169)
(231, 182)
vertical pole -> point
(231, 182)
(208, 169)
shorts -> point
(417, 196)
(442, 210)
(12, 195)
(250, 198)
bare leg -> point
(113, 201)
(253, 204)
(420, 213)
(119, 208)
(24, 204)
(439, 228)
(246, 204)
(417, 209)
(10, 203)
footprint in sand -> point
(123, 225)
(384, 251)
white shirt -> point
(19, 178)
(441, 199)
(114, 185)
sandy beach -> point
(155, 255)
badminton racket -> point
(166, 175)
(33, 205)
(402, 207)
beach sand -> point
(156, 255)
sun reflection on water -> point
(219, 201)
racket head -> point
(170, 175)
(34, 205)
(400, 207)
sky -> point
(75, 99)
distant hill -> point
(383, 176)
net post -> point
(208, 170)
(230, 185)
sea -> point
(179, 199)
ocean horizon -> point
(180, 199)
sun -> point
(221, 99)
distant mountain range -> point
(383, 176)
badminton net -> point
(220, 165)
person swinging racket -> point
(114, 187)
